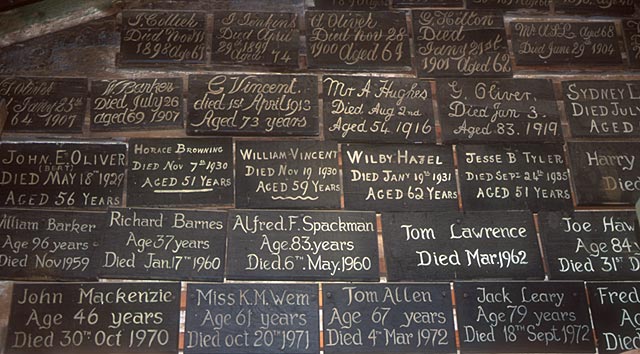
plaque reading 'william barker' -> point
(631, 29)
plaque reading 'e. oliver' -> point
(631, 29)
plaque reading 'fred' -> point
(541, 5)
(460, 43)
(523, 317)
(180, 171)
(239, 104)
(395, 178)
(351, 4)
(374, 109)
(276, 245)
(631, 29)
(389, 318)
(514, 177)
(49, 174)
(615, 308)
(296, 174)
(358, 40)
(590, 7)
(600, 245)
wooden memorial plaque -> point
(426, 3)
(631, 29)
(361, 5)
(615, 308)
(592, 7)
(539, 5)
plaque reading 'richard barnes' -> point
(631, 28)
(615, 308)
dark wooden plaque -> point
(460, 43)
(302, 245)
(595, 245)
(375, 109)
(164, 244)
(163, 37)
(62, 174)
(94, 318)
(607, 172)
(498, 110)
(399, 177)
(615, 308)
(427, 3)
(565, 43)
(49, 246)
(513, 177)
(253, 104)
(363, 5)
(523, 317)
(540, 5)
(136, 104)
(51, 105)
(591, 7)
(358, 40)
(252, 319)
(388, 318)
(287, 174)
(631, 29)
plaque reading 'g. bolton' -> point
(631, 29)
(287, 174)
(274, 245)
(180, 171)
(351, 4)
(252, 319)
(164, 244)
(374, 109)
(460, 43)
(389, 318)
(52, 105)
(250, 104)
(94, 318)
(595, 245)
(498, 110)
(514, 177)
(452, 245)
(523, 317)
(399, 177)
(373, 40)
(61, 174)
(591, 7)
(541, 5)
(607, 172)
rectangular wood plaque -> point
(592, 7)
(541, 5)
(615, 308)
(365, 5)
(631, 30)
(427, 3)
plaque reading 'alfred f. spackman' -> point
(615, 308)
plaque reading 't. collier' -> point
(631, 29)
(541, 5)
(591, 7)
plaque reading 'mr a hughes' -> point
(631, 29)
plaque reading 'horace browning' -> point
(377, 40)
(141, 104)
(389, 318)
(399, 177)
(52, 105)
(460, 43)
(615, 308)
(163, 244)
(180, 171)
(498, 110)
(252, 319)
(351, 4)
(591, 7)
(514, 177)
(541, 5)
(631, 29)
(597, 245)
(427, 3)
(523, 317)
(62, 174)
(275, 245)
(375, 109)
(242, 104)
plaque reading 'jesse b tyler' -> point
(631, 29)
(615, 308)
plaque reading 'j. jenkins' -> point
(631, 29)
(592, 7)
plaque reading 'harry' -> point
(427, 3)
(351, 4)
(631, 28)
(615, 308)
(541, 5)
(590, 7)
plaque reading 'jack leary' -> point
(399, 177)
(631, 29)
(498, 110)
(542, 5)
(351, 4)
(591, 7)
(514, 177)
(374, 109)
(295, 245)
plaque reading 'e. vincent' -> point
(592, 7)
(631, 29)
(541, 5)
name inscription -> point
(615, 308)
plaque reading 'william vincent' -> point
(275, 245)
(498, 110)
(180, 171)
(631, 29)
(351, 4)
(460, 43)
(399, 177)
(375, 109)
(591, 7)
(249, 104)
(615, 308)
(541, 5)
(389, 318)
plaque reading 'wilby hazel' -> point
(590, 7)
(163, 244)
(376, 40)
(631, 28)
(515, 177)
(498, 110)
(591, 245)
(615, 308)
(351, 4)
(302, 245)
(61, 174)
(393, 177)
(141, 104)
(374, 109)
(51, 105)
(253, 105)
(389, 318)
(252, 319)
(542, 5)
(460, 43)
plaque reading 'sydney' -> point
(631, 29)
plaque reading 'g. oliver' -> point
(631, 29)
(592, 7)
(615, 308)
